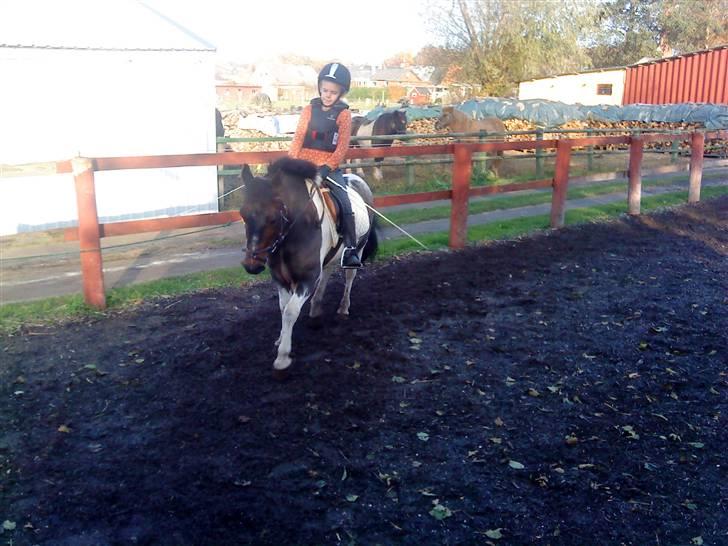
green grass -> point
(12, 316)
(414, 215)
(64, 307)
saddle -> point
(332, 204)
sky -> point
(361, 31)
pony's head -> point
(446, 119)
(264, 216)
(271, 206)
(393, 123)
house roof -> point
(94, 24)
(396, 74)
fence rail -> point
(90, 231)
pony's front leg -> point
(345, 299)
(283, 297)
(378, 171)
(318, 294)
(289, 316)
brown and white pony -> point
(288, 229)
(459, 122)
(389, 123)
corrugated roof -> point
(87, 24)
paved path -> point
(23, 280)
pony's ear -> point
(246, 174)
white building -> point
(589, 87)
(111, 78)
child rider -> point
(322, 137)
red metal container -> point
(701, 76)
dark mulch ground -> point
(568, 388)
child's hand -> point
(324, 171)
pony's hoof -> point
(280, 375)
(342, 316)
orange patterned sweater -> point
(319, 157)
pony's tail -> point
(372, 244)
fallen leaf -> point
(8, 525)
(423, 436)
(697, 540)
(631, 434)
(440, 512)
(516, 465)
(698, 445)
(499, 422)
(533, 392)
(571, 440)
(64, 429)
(352, 498)
(398, 379)
(494, 533)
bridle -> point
(286, 226)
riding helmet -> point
(337, 73)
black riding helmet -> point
(337, 73)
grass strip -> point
(414, 215)
(50, 310)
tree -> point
(502, 42)
(630, 30)
(398, 60)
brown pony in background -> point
(459, 122)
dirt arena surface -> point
(565, 389)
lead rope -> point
(375, 211)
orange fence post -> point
(88, 233)
(634, 191)
(461, 171)
(697, 146)
(561, 183)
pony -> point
(289, 229)
(389, 123)
(459, 122)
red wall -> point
(698, 77)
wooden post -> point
(220, 180)
(634, 191)
(461, 172)
(590, 152)
(410, 172)
(697, 147)
(561, 183)
(539, 155)
(89, 233)
(674, 150)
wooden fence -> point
(89, 232)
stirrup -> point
(353, 262)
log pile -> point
(427, 126)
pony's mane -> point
(295, 167)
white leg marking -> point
(345, 299)
(283, 297)
(288, 319)
(377, 173)
(318, 294)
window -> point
(604, 89)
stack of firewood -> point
(427, 126)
